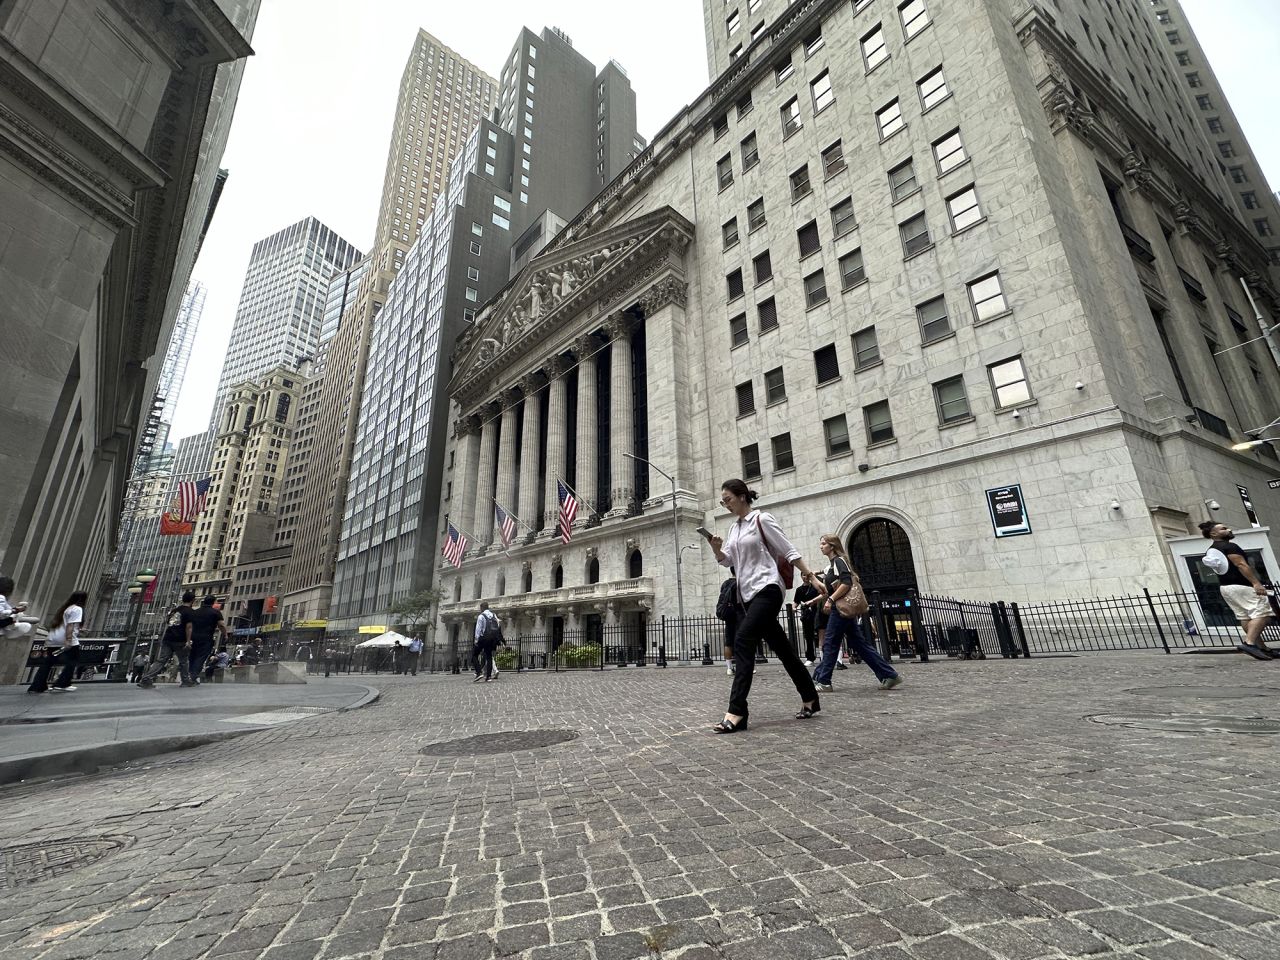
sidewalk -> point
(103, 724)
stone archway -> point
(880, 551)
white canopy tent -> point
(387, 639)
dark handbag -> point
(727, 607)
(785, 569)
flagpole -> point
(575, 493)
(513, 516)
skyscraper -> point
(442, 97)
(517, 182)
(282, 303)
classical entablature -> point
(623, 266)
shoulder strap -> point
(763, 539)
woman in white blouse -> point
(753, 547)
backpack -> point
(492, 632)
(728, 607)
(1216, 561)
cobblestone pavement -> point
(972, 813)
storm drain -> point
(1204, 693)
(1189, 724)
(512, 741)
(36, 862)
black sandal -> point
(728, 726)
(807, 712)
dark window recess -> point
(775, 386)
(720, 125)
(852, 272)
(1139, 246)
(826, 364)
(738, 330)
(751, 462)
(866, 348)
(1212, 422)
(914, 234)
(807, 237)
(842, 218)
(746, 399)
(1194, 287)
(934, 323)
(815, 289)
(755, 215)
(782, 458)
(879, 422)
(768, 314)
(800, 183)
(734, 284)
(1158, 318)
(730, 233)
(763, 267)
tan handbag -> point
(854, 603)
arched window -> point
(593, 570)
(557, 577)
(635, 565)
(457, 590)
(528, 581)
(502, 584)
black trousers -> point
(68, 658)
(760, 622)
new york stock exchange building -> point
(975, 325)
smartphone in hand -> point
(706, 534)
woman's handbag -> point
(854, 603)
(785, 568)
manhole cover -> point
(512, 741)
(1204, 693)
(1188, 724)
(34, 862)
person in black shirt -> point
(174, 643)
(1240, 587)
(201, 626)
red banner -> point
(149, 593)
(172, 525)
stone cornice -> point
(1121, 133)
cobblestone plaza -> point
(976, 812)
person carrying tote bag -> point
(846, 604)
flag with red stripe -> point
(455, 545)
(505, 523)
(191, 497)
(568, 510)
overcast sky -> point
(313, 122)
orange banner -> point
(172, 525)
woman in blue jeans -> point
(754, 545)
(835, 583)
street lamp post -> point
(675, 529)
(137, 588)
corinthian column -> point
(557, 424)
(530, 451)
(506, 455)
(481, 508)
(584, 479)
(622, 470)
(466, 467)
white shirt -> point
(753, 564)
(480, 621)
(67, 635)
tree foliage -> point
(414, 611)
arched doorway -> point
(880, 552)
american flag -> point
(568, 510)
(455, 546)
(191, 497)
(505, 523)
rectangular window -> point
(1263, 226)
(914, 234)
(751, 462)
(842, 218)
(501, 204)
(755, 215)
(836, 432)
(767, 314)
(475, 248)
(500, 221)
(874, 51)
(732, 24)
(477, 229)
(914, 17)
(933, 89)
(933, 319)
(825, 364)
(473, 273)
(744, 106)
(735, 53)
(951, 400)
(775, 386)
(738, 330)
(948, 152)
(815, 289)
(724, 171)
(729, 232)
(851, 270)
(1009, 382)
(746, 399)
(782, 458)
(800, 186)
(879, 422)
(987, 298)
(902, 180)
(866, 349)
(1215, 125)
(889, 119)
(489, 169)
(720, 125)
(1238, 175)
(1184, 58)
(1193, 81)
(763, 267)
(790, 117)
(1226, 150)
(820, 89)
(833, 159)
(1250, 200)
(813, 43)
(783, 70)
(734, 283)
(963, 210)
(472, 295)
(808, 239)
(750, 154)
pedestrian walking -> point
(329, 655)
(809, 602)
(175, 644)
(204, 622)
(415, 653)
(1240, 587)
(763, 558)
(62, 646)
(137, 667)
(397, 659)
(13, 624)
(488, 636)
(845, 605)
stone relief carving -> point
(1136, 169)
(665, 291)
